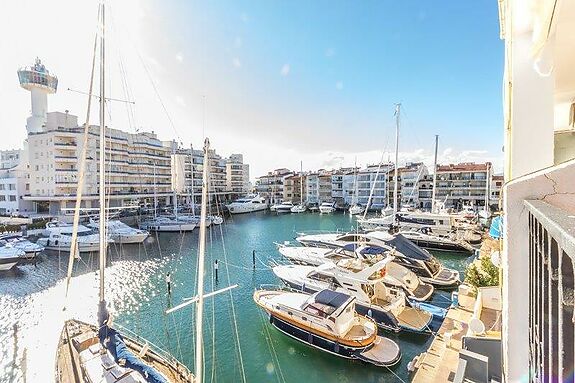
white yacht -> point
(59, 238)
(356, 209)
(382, 222)
(167, 224)
(406, 253)
(327, 207)
(300, 208)
(31, 249)
(284, 207)
(248, 204)
(9, 257)
(327, 321)
(194, 218)
(392, 273)
(385, 304)
(119, 232)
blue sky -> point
(313, 80)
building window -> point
(2, 187)
(2, 198)
(12, 198)
(12, 186)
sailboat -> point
(100, 352)
(301, 207)
(388, 216)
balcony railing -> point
(551, 292)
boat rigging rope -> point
(269, 341)
(236, 332)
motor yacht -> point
(425, 238)
(31, 249)
(327, 207)
(119, 232)
(327, 321)
(356, 209)
(392, 273)
(386, 305)
(167, 224)
(58, 237)
(9, 257)
(406, 253)
(284, 207)
(248, 204)
(299, 208)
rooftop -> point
(463, 167)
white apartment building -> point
(465, 184)
(312, 188)
(368, 179)
(271, 185)
(495, 191)
(237, 175)
(138, 165)
(410, 175)
(538, 247)
(324, 185)
(187, 171)
(14, 183)
(425, 192)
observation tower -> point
(38, 80)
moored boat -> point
(31, 249)
(327, 207)
(327, 321)
(9, 257)
(248, 204)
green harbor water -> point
(235, 330)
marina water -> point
(32, 298)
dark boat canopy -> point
(408, 248)
(331, 298)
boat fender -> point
(271, 319)
(369, 313)
(310, 338)
(336, 348)
(56, 242)
(48, 243)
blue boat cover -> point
(331, 298)
(408, 248)
(351, 247)
(496, 229)
(119, 350)
(372, 250)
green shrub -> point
(484, 276)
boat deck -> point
(81, 358)
(385, 352)
(416, 319)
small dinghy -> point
(327, 321)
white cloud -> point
(236, 62)
(238, 42)
(180, 57)
(285, 70)
(339, 85)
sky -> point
(282, 82)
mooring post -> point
(254, 258)
(216, 269)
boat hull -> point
(129, 238)
(245, 209)
(8, 263)
(314, 340)
(441, 246)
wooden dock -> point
(439, 363)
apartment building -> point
(311, 189)
(324, 186)
(271, 185)
(293, 187)
(495, 191)
(373, 177)
(237, 175)
(410, 175)
(138, 165)
(464, 184)
(187, 174)
(425, 192)
(14, 183)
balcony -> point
(551, 291)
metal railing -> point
(551, 292)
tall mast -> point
(301, 182)
(174, 185)
(201, 255)
(487, 181)
(102, 182)
(395, 184)
(355, 199)
(155, 196)
(192, 179)
(434, 175)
